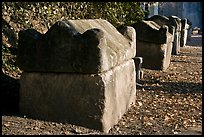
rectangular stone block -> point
(154, 44)
(95, 101)
(155, 56)
(83, 46)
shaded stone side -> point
(84, 46)
(155, 56)
(138, 66)
(95, 101)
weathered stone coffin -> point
(154, 44)
(84, 46)
(176, 22)
(80, 71)
(184, 32)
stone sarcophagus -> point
(184, 32)
(176, 22)
(79, 71)
(154, 44)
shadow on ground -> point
(9, 94)
(173, 87)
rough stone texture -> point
(129, 33)
(84, 46)
(163, 20)
(150, 31)
(176, 22)
(96, 101)
(155, 56)
(79, 71)
(154, 44)
(184, 32)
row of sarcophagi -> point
(83, 71)
(159, 37)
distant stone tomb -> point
(184, 32)
(79, 71)
(154, 44)
(196, 30)
(174, 24)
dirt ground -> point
(168, 103)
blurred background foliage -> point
(115, 12)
